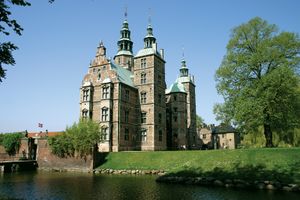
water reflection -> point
(41, 185)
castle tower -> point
(149, 78)
(124, 57)
(189, 85)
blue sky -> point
(60, 39)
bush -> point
(11, 142)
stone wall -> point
(48, 161)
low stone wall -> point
(228, 183)
(132, 172)
(50, 162)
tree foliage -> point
(78, 139)
(199, 121)
(259, 79)
(11, 142)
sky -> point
(60, 39)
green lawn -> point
(268, 164)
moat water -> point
(45, 185)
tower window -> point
(86, 95)
(143, 117)
(159, 118)
(159, 98)
(85, 113)
(143, 63)
(160, 135)
(143, 97)
(126, 135)
(143, 78)
(104, 116)
(105, 92)
(143, 135)
(175, 118)
(175, 98)
(175, 109)
(204, 136)
(126, 95)
(126, 116)
(104, 133)
(99, 76)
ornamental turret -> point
(124, 56)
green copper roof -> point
(123, 74)
(124, 52)
(176, 87)
(147, 51)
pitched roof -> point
(124, 75)
(175, 87)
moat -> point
(46, 185)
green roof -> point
(176, 87)
(124, 52)
(124, 75)
(147, 51)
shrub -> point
(11, 142)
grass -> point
(252, 164)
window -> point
(175, 118)
(160, 135)
(126, 95)
(159, 118)
(223, 135)
(126, 116)
(143, 117)
(204, 136)
(143, 97)
(104, 114)
(104, 133)
(143, 63)
(175, 109)
(85, 113)
(143, 135)
(126, 135)
(85, 95)
(175, 98)
(99, 76)
(159, 98)
(143, 78)
(105, 92)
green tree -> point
(199, 121)
(8, 24)
(78, 139)
(259, 79)
(84, 136)
(11, 142)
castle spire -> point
(125, 44)
(149, 39)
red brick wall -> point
(47, 160)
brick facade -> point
(127, 97)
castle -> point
(129, 99)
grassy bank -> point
(266, 164)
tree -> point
(259, 79)
(11, 142)
(80, 138)
(6, 48)
(199, 121)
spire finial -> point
(149, 16)
(125, 13)
(182, 52)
